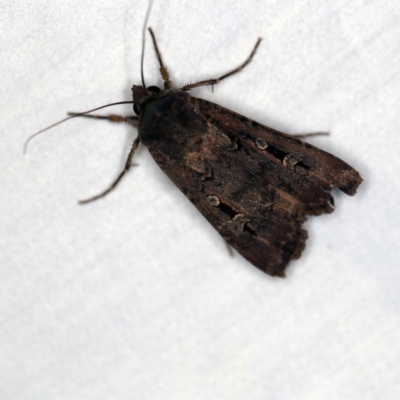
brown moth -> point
(255, 185)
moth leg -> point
(218, 80)
(127, 166)
(311, 134)
(130, 119)
(163, 70)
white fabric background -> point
(135, 296)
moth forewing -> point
(254, 184)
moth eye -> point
(154, 89)
(135, 109)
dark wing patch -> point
(303, 170)
(253, 184)
(266, 222)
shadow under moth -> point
(255, 185)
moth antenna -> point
(146, 20)
(67, 118)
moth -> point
(254, 184)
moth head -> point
(142, 95)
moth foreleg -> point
(127, 166)
(163, 70)
(130, 119)
(218, 80)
